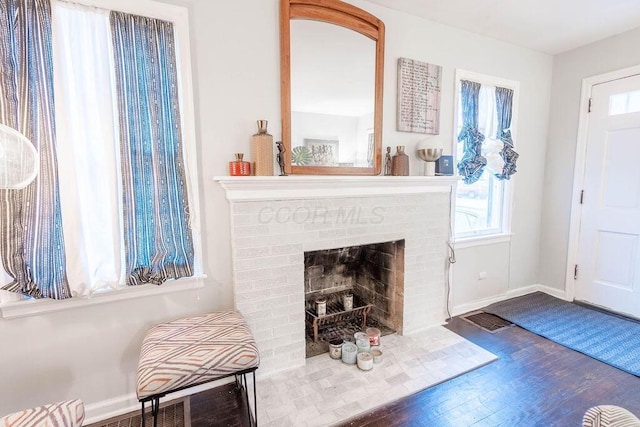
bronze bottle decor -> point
(400, 162)
(262, 151)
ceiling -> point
(549, 26)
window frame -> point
(503, 232)
(179, 16)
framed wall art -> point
(419, 85)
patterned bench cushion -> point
(194, 350)
(609, 416)
(62, 414)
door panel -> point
(615, 256)
(608, 255)
(622, 174)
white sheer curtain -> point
(87, 146)
(488, 124)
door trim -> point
(579, 169)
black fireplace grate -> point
(340, 330)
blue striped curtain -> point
(504, 105)
(31, 241)
(157, 234)
(472, 164)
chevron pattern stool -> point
(62, 414)
(609, 416)
(193, 351)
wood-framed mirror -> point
(332, 70)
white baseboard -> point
(105, 409)
(553, 292)
(114, 407)
(512, 293)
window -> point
(120, 189)
(483, 206)
(624, 103)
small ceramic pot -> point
(365, 361)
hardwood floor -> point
(535, 382)
(222, 406)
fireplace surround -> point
(275, 220)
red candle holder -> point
(239, 167)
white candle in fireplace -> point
(321, 307)
(347, 301)
(365, 361)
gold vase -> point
(262, 151)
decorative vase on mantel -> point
(262, 151)
(400, 162)
(239, 167)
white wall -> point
(469, 286)
(92, 353)
(415, 38)
(569, 69)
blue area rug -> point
(611, 339)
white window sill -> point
(470, 242)
(17, 309)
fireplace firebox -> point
(373, 274)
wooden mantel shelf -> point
(247, 188)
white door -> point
(609, 248)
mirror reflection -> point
(332, 95)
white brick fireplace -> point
(274, 220)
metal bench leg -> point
(246, 397)
(243, 384)
(255, 399)
(253, 416)
(155, 407)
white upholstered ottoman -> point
(196, 350)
